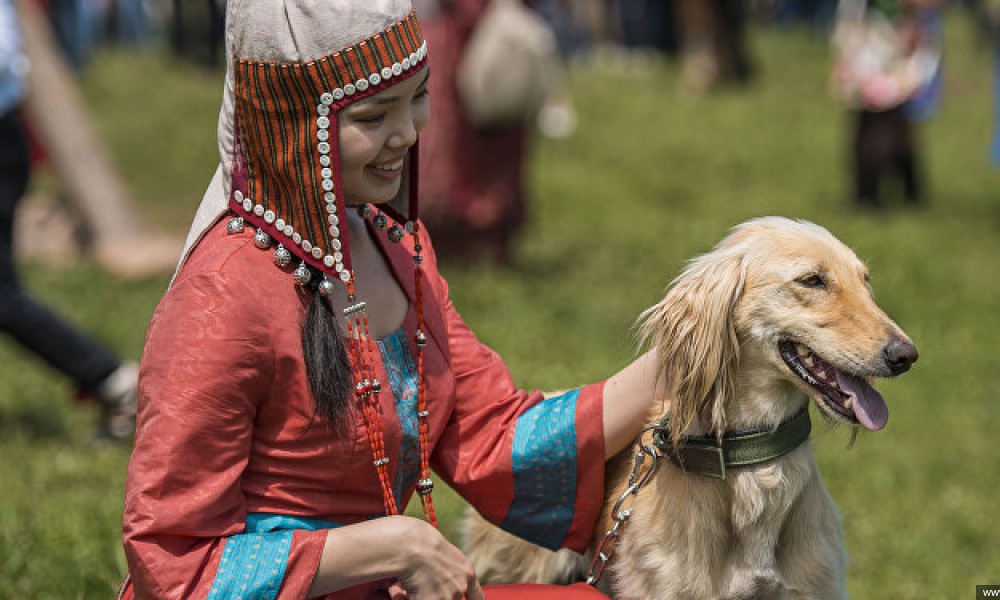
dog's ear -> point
(693, 331)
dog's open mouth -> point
(845, 396)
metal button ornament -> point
(380, 221)
(395, 234)
(282, 257)
(326, 287)
(262, 240)
(235, 225)
(420, 338)
(302, 274)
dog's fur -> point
(726, 334)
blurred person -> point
(474, 193)
(307, 367)
(712, 43)
(93, 369)
(887, 58)
(75, 24)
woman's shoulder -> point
(228, 264)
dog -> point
(778, 313)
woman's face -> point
(375, 136)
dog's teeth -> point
(821, 375)
(801, 350)
(848, 403)
(808, 360)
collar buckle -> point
(704, 457)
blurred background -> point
(663, 124)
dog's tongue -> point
(869, 406)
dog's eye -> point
(811, 281)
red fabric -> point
(529, 591)
(226, 422)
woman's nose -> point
(405, 133)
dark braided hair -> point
(327, 366)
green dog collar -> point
(706, 455)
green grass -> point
(653, 176)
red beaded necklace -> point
(367, 388)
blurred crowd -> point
(887, 75)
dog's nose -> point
(899, 355)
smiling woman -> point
(307, 368)
(376, 135)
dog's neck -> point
(760, 399)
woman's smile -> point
(388, 171)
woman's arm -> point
(628, 402)
(399, 547)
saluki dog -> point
(778, 313)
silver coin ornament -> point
(326, 287)
(395, 234)
(235, 225)
(302, 274)
(261, 239)
(282, 257)
(380, 221)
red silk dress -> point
(234, 479)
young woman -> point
(306, 368)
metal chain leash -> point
(641, 475)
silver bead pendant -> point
(282, 257)
(395, 234)
(302, 274)
(235, 225)
(326, 287)
(262, 240)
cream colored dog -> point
(778, 313)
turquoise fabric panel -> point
(402, 372)
(253, 563)
(544, 461)
(252, 566)
(269, 522)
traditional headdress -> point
(293, 66)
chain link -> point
(641, 475)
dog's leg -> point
(500, 557)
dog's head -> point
(777, 303)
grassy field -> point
(653, 176)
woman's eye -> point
(376, 118)
(812, 281)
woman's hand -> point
(436, 568)
(409, 550)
